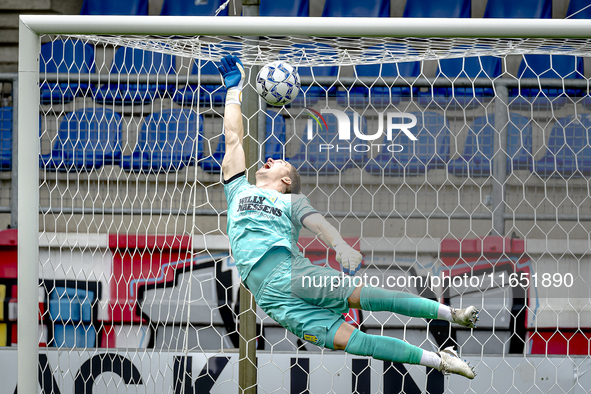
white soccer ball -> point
(278, 83)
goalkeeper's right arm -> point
(349, 258)
(234, 161)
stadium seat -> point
(546, 66)
(574, 6)
(568, 150)
(137, 61)
(353, 8)
(70, 305)
(74, 336)
(477, 157)
(5, 139)
(381, 96)
(537, 9)
(310, 160)
(438, 9)
(166, 142)
(302, 53)
(284, 8)
(75, 58)
(417, 157)
(192, 7)
(519, 143)
(274, 144)
(209, 94)
(114, 7)
(486, 67)
(87, 139)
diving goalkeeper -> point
(264, 222)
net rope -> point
(134, 254)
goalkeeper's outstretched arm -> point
(234, 159)
(349, 258)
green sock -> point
(378, 299)
(383, 348)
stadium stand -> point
(209, 94)
(569, 150)
(312, 160)
(380, 96)
(87, 139)
(114, 7)
(166, 142)
(476, 159)
(68, 57)
(438, 9)
(519, 143)
(546, 66)
(131, 61)
(274, 143)
(430, 151)
(537, 9)
(315, 91)
(284, 8)
(488, 67)
(578, 9)
(192, 7)
(5, 138)
(353, 8)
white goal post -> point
(352, 40)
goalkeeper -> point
(264, 222)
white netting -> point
(133, 246)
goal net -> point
(487, 205)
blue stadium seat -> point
(546, 66)
(487, 67)
(70, 305)
(438, 9)
(166, 142)
(114, 7)
(274, 144)
(65, 56)
(81, 336)
(519, 143)
(284, 8)
(137, 61)
(87, 139)
(5, 139)
(417, 157)
(574, 6)
(309, 95)
(568, 150)
(476, 160)
(192, 7)
(310, 160)
(381, 96)
(354, 8)
(275, 136)
(537, 9)
(209, 94)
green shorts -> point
(310, 308)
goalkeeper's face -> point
(274, 172)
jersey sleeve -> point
(300, 208)
(235, 184)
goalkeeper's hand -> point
(233, 73)
(349, 258)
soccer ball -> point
(278, 83)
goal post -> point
(417, 214)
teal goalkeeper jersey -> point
(260, 219)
